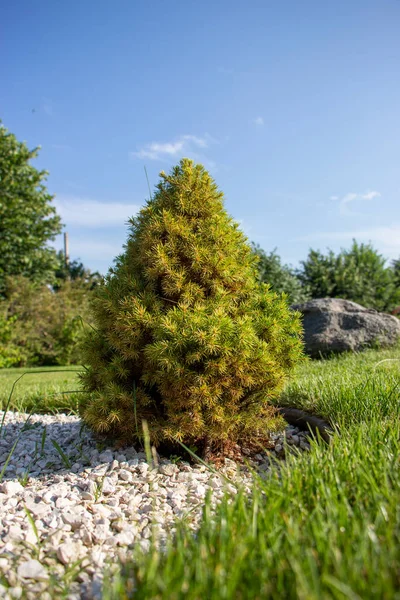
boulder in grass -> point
(334, 325)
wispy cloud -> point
(370, 195)
(350, 197)
(47, 107)
(84, 212)
(61, 147)
(73, 185)
(163, 150)
(245, 227)
(386, 238)
(225, 70)
(258, 121)
(234, 71)
(94, 250)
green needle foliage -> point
(185, 336)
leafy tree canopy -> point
(27, 218)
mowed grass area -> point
(348, 388)
(331, 388)
(41, 389)
(327, 526)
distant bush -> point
(358, 274)
(11, 355)
(396, 271)
(74, 270)
(40, 326)
(281, 278)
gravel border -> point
(63, 498)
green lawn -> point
(327, 527)
(348, 388)
(40, 390)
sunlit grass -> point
(326, 526)
(348, 388)
(40, 392)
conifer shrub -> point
(185, 336)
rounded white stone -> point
(32, 569)
(94, 511)
(11, 487)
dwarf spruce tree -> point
(186, 338)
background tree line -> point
(45, 303)
(359, 274)
(43, 300)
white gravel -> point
(63, 499)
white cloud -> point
(73, 185)
(345, 201)
(61, 147)
(225, 70)
(387, 239)
(84, 212)
(370, 195)
(93, 250)
(162, 150)
(155, 150)
(350, 197)
(47, 107)
(259, 121)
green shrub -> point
(11, 355)
(39, 326)
(280, 277)
(396, 271)
(358, 274)
(75, 270)
(186, 338)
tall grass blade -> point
(207, 465)
(8, 458)
(148, 183)
(60, 451)
(146, 438)
(20, 377)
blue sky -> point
(292, 106)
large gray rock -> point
(337, 325)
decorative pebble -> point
(100, 507)
(32, 569)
